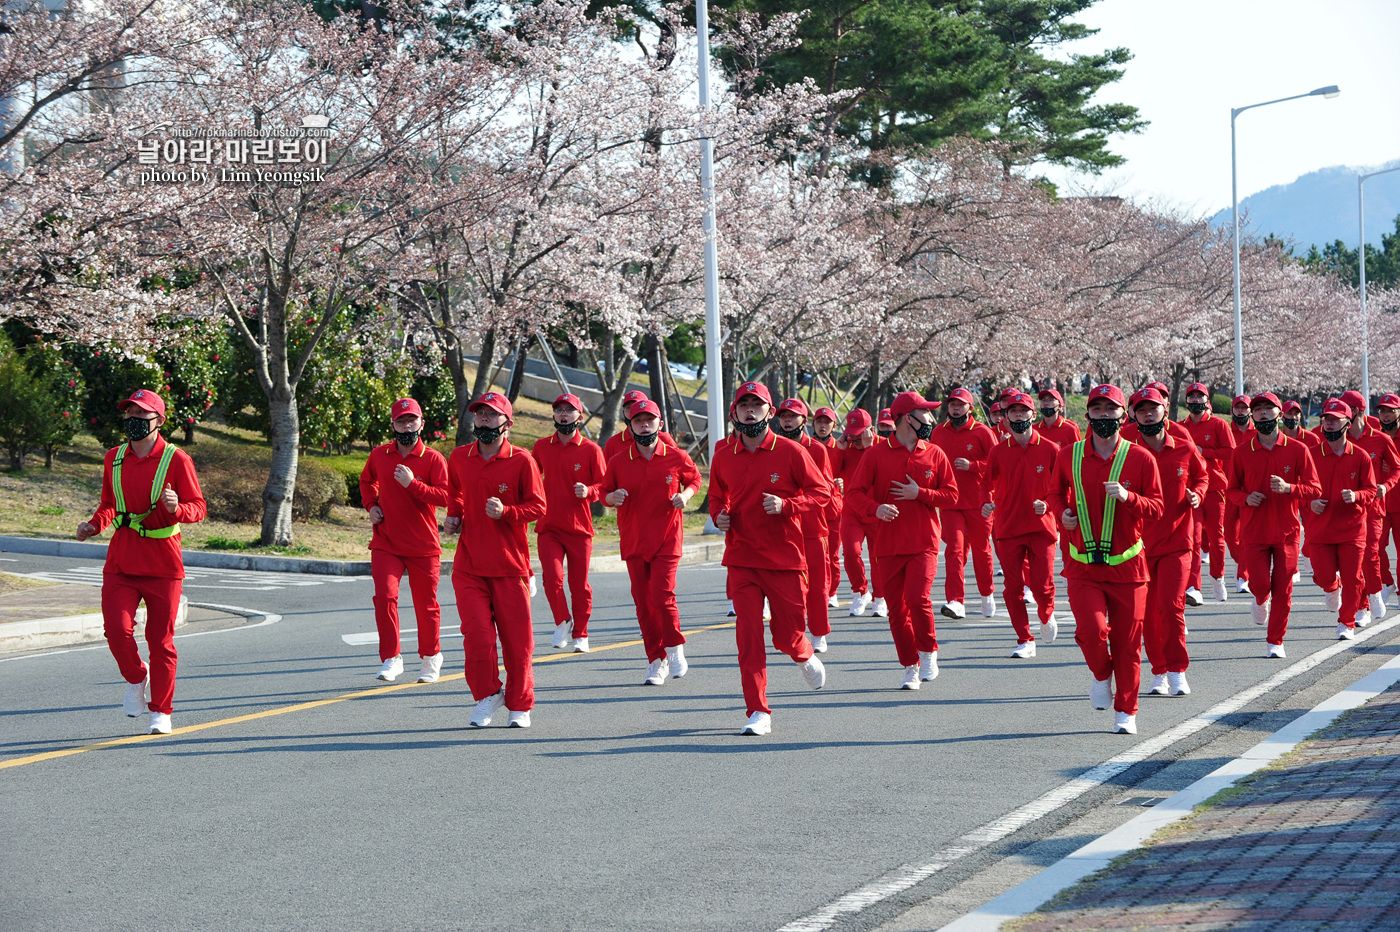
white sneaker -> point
(1101, 693)
(581, 645)
(430, 668)
(760, 723)
(562, 634)
(1193, 597)
(1297, 576)
(657, 671)
(911, 677)
(859, 602)
(1221, 593)
(814, 673)
(481, 715)
(138, 696)
(1363, 618)
(1345, 634)
(1027, 595)
(1386, 593)
(1241, 586)
(1376, 601)
(1333, 600)
(879, 609)
(1159, 685)
(989, 606)
(391, 669)
(833, 602)
(519, 719)
(1049, 629)
(534, 590)
(1260, 613)
(675, 659)
(160, 724)
(928, 665)
(818, 642)
(1275, 651)
(1024, 650)
(1177, 685)
(953, 610)
(767, 612)
(1124, 724)
(732, 613)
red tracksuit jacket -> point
(1181, 469)
(1341, 522)
(1016, 477)
(1062, 433)
(562, 463)
(650, 526)
(410, 527)
(494, 546)
(739, 480)
(973, 441)
(623, 438)
(1215, 440)
(129, 552)
(917, 529)
(1144, 504)
(1275, 521)
(815, 523)
(1385, 463)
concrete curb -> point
(41, 633)
(1068, 871)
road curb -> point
(41, 633)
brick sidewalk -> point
(1313, 844)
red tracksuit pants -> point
(1210, 536)
(1232, 541)
(908, 582)
(852, 539)
(818, 619)
(963, 531)
(1164, 624)
(1388, 534)
(1335, 565)
(387, 569)
(1028, 560)
(494, 607)
(786, 591)
(833, 554)
(1371, 562)
(553, 547)
(654, 592)
(121, 594)
(1108, 629)
(1276, 563)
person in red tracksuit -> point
(792, 418)
(1215, 441)
(1388, 413)
(149, 488)
(1385, 467)
(858, 437)
(1241, 427)
(1337, 530)
(760, 485)
(615, 444)
(402, 486)
(571, 467)
(649, 484)
(1291, 426)
(1270, 475)
(496, 492)
(1105, 491)
(1017, 484)
(1168, 541)
(967, 444)
(900, 484)
(1054, 426)
(884, 424)
(824, 422)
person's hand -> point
(841, 486)
(1318, 505)
(169, 499)
(722, 522)
(1038, 507)
(1255, 499)
(494, 508)
(772, 504)
(906, 491)
(376, 515)
(1349, 496)
(580, 490)
(1276, 484)
(1115, 490)
(1069, 519)
(680, 498)
(887, 512)
(988, 508)
(451, 524)
(1194, 499)
(615, 498)
(85, 530)
(403, 475)
(962, 463)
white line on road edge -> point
(1065, 873)
(986, 835)
(268, 618)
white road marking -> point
(986, 835)
(372, 637)
(198, 578)
(268, 618)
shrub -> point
(233, 478)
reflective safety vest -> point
(125, 518)
(1098, 551)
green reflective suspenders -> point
(127, 519)
(1099, 550)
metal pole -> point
(1365, 322)
(1235, 214)
(713, 363)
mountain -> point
(1320, 207)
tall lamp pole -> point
(713, 364)
(1329, 92)
(1361, 257)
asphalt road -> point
(624, 807)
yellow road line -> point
(303, 706)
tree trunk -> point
(484, 365)
(651, 352)
(48, 457)
(189, 434)
(517, 370)
(1178, 376)
(282, 476)
(871, 401)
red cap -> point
(1240, 400)
(757, 389)
(404, 407)
(1008, 390)
(573, 401)
(826, 413)
(1338, 408)
(962, 394)
(795, 404)
(1051, 393)
(996, 408)
(1161, 388)
(1112, 392)
(1018, 398)
(145, 399)
(1389, 401)
(1266, 398)
(857, 422)
(905, 402)
(885, 418)
(1354, 401)
(634, 396)
(1150, 393)
(645, 406)
(1294, 406)
(496, 402)
(1198, 387)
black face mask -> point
(1018, 427)
(756, 429)
(1152, 430)
(1334, 435)
(1048, 413)
(138, 428)
(885, 433)
(1391, 427)
(1105, 427)
(487, 435)
(1197, 407)
(923, 431)
(406, 438)
(957, 420)
(1240, 419)
(1266, 427)
(566, 430)
(644, 440)
(794, 434)
(1290, 423)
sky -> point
(1196, 59)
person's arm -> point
(192, 508)
(1235, 491)
(690, 475)
(1308, 486)
(813, 491)
(944, 492)
(456, 504)
(1365, 482)
(1147, 500)
(860, 488)
(530, 494)
(597, 469)
(1391, 459)
(369, 487)
(719, 488)
(433, 489)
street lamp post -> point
(1329, 92)
(713, 364)
(1361, 258)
